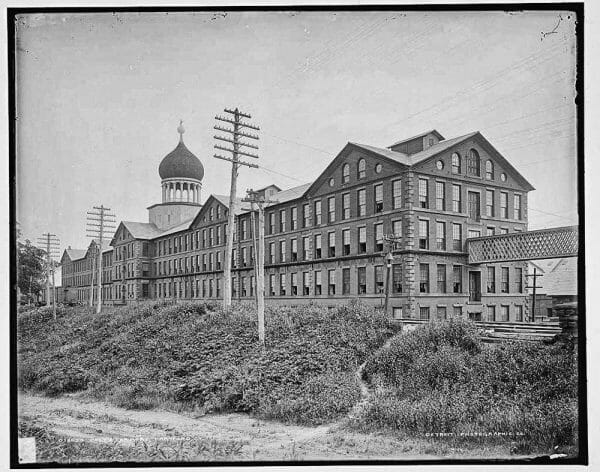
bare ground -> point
(77, 417)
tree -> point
(31, 264)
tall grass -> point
(440, 378)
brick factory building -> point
(324, 240)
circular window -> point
(440, 165)
(378, 168)
(503, 177)
(331, 182)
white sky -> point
(100, 97)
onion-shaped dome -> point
(180, 162)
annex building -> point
(325, 239)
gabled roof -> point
(224, 199)
(385, 152)
(75, 254)
(431, 131)
(290, 194)
(180, 227)
(562, 279)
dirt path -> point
(77, 417)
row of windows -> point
(456, 276)
(473, 198)
(473, 165)
(492, 313)
(316, 218)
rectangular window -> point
(440, 196)
(294, 221)
(244, 257)
(397, 312)
(491, 280)
(424, 312)
(519, 280)
(318, 219)
(318, 289)
(504, 313)
(331, 282)
(281, 251)
(423, 193)
(244, 231)
(345, 206)
(318, 249)
(456, 237)
(489, 203)
(306, 214)
(345, 281)
(281, 284)
(457, 279)
(272, 284)
(424, 278)
(423, 234)
(378, 198)
(346, 242)
(379, 279)
(457, 312)
(378, 237)
(362, 202)
(331, 209)
(456, 199)
(271, 223)
(271, 253)
(503, 230)
(331, 247)
(504, 280)
(362, 240)
(397, 278)
(305, 247)
(281, 221)
(397, 194)
(491, 313)
(474, 206)
(517, 207)
(440, 235)
(518, 312)
(441, 278)
(305, 284)
(441, 313)
(294, 250)
(504, 205)
(294, 278)
(234, 259)
(362, 280)
(490, 231)
(474, 233)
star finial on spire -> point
(180, 130)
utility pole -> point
(51, 244)
(99, 222)
(535, 275)
(390, 240)
(254, 198)
(237, 134)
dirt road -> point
(76, 417)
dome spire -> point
(180, 130)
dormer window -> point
(362, 169)
(473, 166)
(489, 170)
(456, 163)
(346, 173)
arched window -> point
(456, 163)
(489, 170)
(361, 166)
(473, 163)
(345, 173)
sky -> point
(100, 96)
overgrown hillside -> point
(440, 378)
(196, 356)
